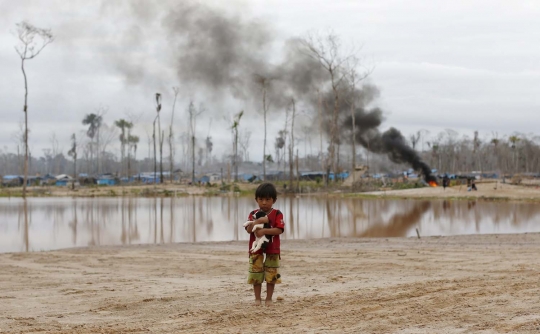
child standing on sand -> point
(261, 269)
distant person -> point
(445, 182)
(473, 185)
(261, 268)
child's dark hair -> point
(266, 190)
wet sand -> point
(486, 191)
(461, 284)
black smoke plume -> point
(391, 142)
(215, 50)
(221, 53)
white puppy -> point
(257, 244)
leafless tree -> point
(107, 134)
(244, 141)
(291, 144)
(193, 114)
(234, 128)
(514, 140)
(209, 145)
(327, 50)
(414, 138)
(133, 142)
(354, 77)
(55, 151)
(280, 145)
(32, 41)
(124, 126)
(158, 109)
(73, 153)
(176, 90)
(264, 83)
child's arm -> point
(262, 220)
(268, 231)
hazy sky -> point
(465, 65)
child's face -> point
(265, 204)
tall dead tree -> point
(73, 153)
(193, 113)
(244, 141)
(291, 145)
(133, 141)
(327, 51)
(354, 78)
(158, 109)
(264, 82)
(94, 123)
(32, 41)
(514, 139)
(234, 127)
(209, 146)
(176, 90)
(123, 125)
(161, 137)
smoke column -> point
(390, 142)
(220, 53)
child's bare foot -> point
(268, 302)
(257, 302)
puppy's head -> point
(260, 214)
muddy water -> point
(54, 223)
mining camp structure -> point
(356, 175)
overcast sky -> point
(465, 65)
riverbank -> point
(490, 191)
(163, 190)
(477, 283)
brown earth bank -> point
(487, 190)
(460, 284)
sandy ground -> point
(463, 284)
(489, 190)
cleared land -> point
(487, 190)
(462, 284)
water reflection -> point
(52, 223)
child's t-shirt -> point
(275, 218)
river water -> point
(39, 224)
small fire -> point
(432, 183)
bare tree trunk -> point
(264, 142)
(353, 139)
(25, 110)
(171, 135)
(334, 130)
(98, 153)
(155, 151)
(193, 158)
(161, 180)
(320, 129)
(128, 155)
(297, 173)
(235, 153)
(161, 135)
(291, 146)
